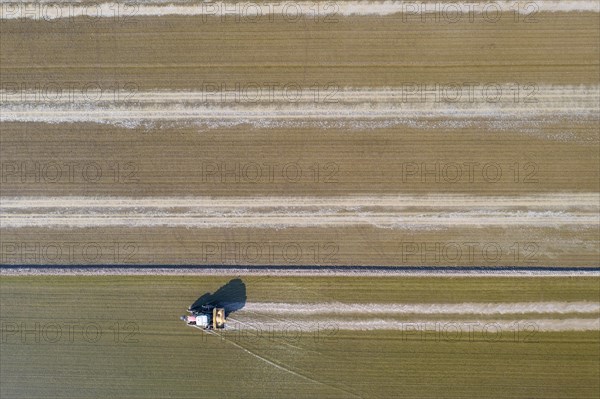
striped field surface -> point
(159, 128)
(333, 337)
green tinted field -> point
(121, 337)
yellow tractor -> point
(218, 318)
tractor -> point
(207, 318)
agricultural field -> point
(120, 336)
(385, 198)
(359, 129)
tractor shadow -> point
(231, 297)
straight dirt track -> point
(314, 271)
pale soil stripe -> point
(423, 308)
(269, 220)
(555, 201)
(428, 327)
(332, 9)
(391, 105)
(263, 116)
(300, 212)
